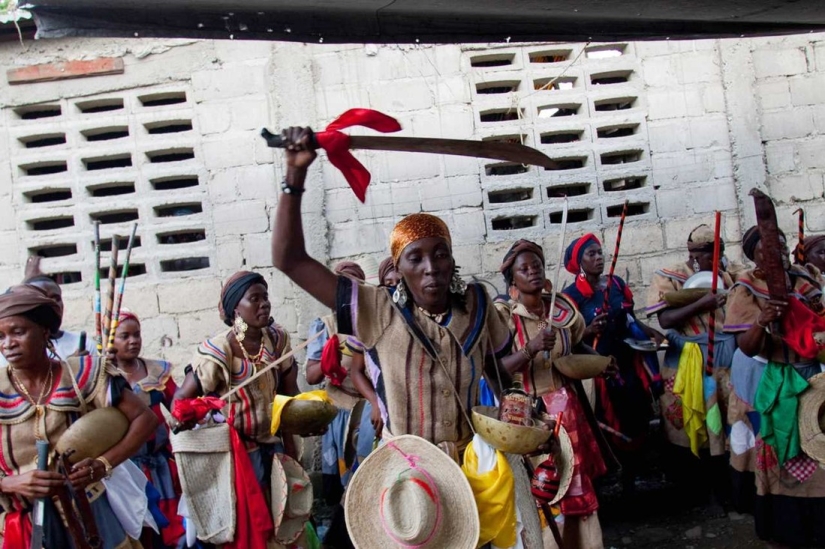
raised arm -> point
(673, 318)
(289, 254)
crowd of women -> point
(404, 362)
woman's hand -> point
(299, 153)
(545, 341)
(376, 420)
(596, 326)
(774, 310)
(612, 369)
(32, 485)
(711, 302)
(85, 472)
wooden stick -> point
(559, 263)
(717, 253)
(608, 429)
(613, 266)
(97, 304)
(110, 298)
(123, 274)
(271, 365)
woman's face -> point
(759, 258)
(704, 259)
(528, 273)
(426, 266)
(127, 340)
(22, 341)
(593, 259)
(254, 308)
(816, 255)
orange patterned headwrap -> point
(415, 227)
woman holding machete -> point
(40, 397)
(430, 340)
(767, 375)
(623, 403)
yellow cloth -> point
(495, 497)
(688, 387)
(282, 400)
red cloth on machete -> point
(336, 144)
(799, 326)
(331, 361)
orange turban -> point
(415, 227)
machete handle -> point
(277, 141)
(42, 454)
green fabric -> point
(312, 541)
(777, 401)
(714, 419)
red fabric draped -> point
(331, 361)
(194, 409)
(253, 522)
(336, 144)
(799, 326)
(18, 532)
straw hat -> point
(812, 418)
(507, 437)
(93, 434)
(279, 491)
(582, 366)
(298, 503)
(563, 459)
(410, 493)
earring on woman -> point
(696, 266)
(399, 296)
(457, 285)
(240, 327)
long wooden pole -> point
(115, 320)
(613, 261)
(97, 304)
(559, 262)
(110, 298)
(717, 257)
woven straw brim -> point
(459, 527)
(582, 366)
(279, 491)
(292, 527)
(507, 437)
(563, 459)
(811, 435)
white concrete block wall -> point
(708, 120)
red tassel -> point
(331, 362)
(336, 144)
(799, 326)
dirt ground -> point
(654, 519)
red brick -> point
(65, 70)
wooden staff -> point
(110, 298)
(717, 253)
(115, 319)
(613, 266)
(559, 263)
(97, 304)
(799, 251)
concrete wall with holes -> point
(678, 129)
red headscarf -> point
(575, 251)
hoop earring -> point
(240, 327)
(457, 285)
(50, 347)
(399, 295)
